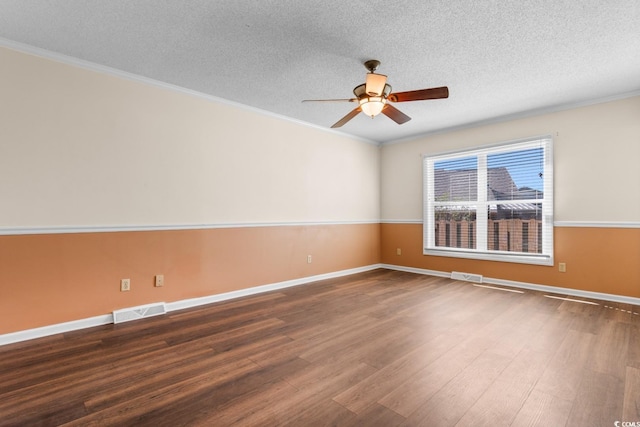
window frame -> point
(481, 206)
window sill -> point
(499, 257)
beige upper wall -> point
(81, 148)
(596, 161)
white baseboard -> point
(58, 328)
(523, 285)
(416, 270)
(90, 322)
(194, 302)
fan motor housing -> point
(372, 65)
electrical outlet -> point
(562, 267)
(125, 285)
(308, 259)
(398, 251)
(159, 280)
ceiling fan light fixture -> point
(372, 106)
(375, 84)
(372, 97)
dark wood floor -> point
(382, 348)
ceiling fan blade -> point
(420, 95)
(331, 100)
(394, 114)
(346, 118)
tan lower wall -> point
(603, 260)
(54, 278)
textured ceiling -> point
(498, 58)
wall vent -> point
(467, 277)
(140, 312)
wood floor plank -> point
(497, 406)
(312, 385)
(226, 401)
(510, 341)
(552, 333)
(360, 341)
(317, 336)
(450, 357)
(364, 394)
(328, 379)
(610, 348)
(57, 412)
(563, 375)
(449, 404)
(465, 347)
(631, 404)
(154, 377)
(382, 352)
(133, 408)
(620, 312)
(308, 327)
(380, 348)
(599, 400)
(543, 410)
(504, 398)
(298, 396)
(376, 415)
(329, 413)
(69, 368)
(115, 381)
(266, 408)
(633, 348)
(587, 316)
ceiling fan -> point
(374, 95)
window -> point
(502, 196)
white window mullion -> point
(429, 228)
(481, 209)
(547, 205)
